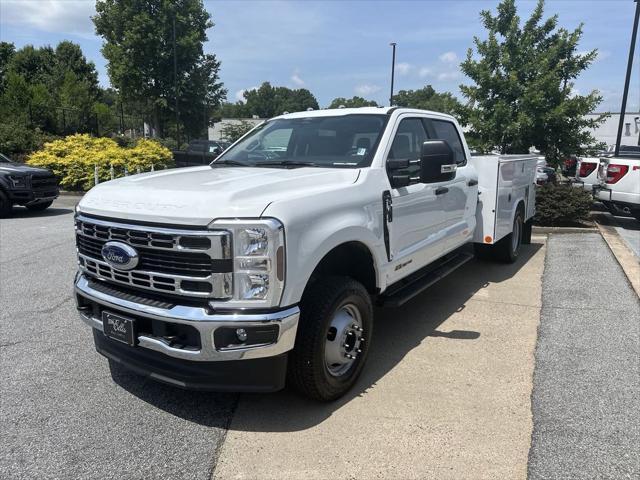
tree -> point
(353, 102)
(268, 101)
(523, 93)
(426, 98)
(7, 51)
(231, 132)
(138, 45)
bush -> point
(561, 205)
(17, 139)
(73, 159)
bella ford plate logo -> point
(120, 255)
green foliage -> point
(268, 101)
(231, 132)
(561, 204)
(523, 91)
(138, 45)
(16, 139)
(73, 159)
(353, 102)
(427, 98)
(48, 90)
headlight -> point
(18, 182)
(258, 261)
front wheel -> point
(5, 205)
(333, 338)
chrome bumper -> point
(202, 321)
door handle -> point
(472, 183)
(441, 190)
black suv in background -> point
(35, 188)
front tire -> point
(333, 338)
(5, 205)
(39, 207)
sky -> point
(341, 48)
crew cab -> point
(32, 187)
(265, 265)
(619, 181)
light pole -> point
(393, 71)
(625, 92)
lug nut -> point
(359, 351)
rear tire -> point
(5, 205)
(336, 322)
(39, 207)
(526, 233)
(507, 250)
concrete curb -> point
(543, 230)
(623, 254)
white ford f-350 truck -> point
(264, 266)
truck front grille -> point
(44, 186)
(181, 262)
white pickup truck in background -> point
(265, 265)
(618, 184)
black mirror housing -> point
(437, 163)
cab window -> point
(444, 130)
(407, 143)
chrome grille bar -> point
(193, 263)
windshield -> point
(347, 141)
(4, 159)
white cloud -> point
(448, 57)
(56, 16)
(446, 76)
(425, 72)
(296, 79)
(403, 68)
(367, 89)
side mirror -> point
(436, 162)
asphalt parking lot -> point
(497, 372)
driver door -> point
(416, 228)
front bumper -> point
(91, 301)
(32, 197)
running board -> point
(404, 290)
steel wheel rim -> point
(344, 340)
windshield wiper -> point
(229, 162)
(285, 163)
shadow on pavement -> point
(23, 212)
(397, 332)
(192, 406)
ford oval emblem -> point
(120, 255)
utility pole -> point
(175, 77)
(393, 71)
(625, 92)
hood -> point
(198, 195)
(11, 168)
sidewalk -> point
(585, 399)
(445, 394)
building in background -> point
(215, 132)
(608, 130)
